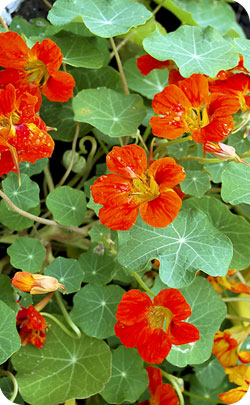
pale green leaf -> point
(194, 49)
(7, 292)
(215, 169)
(188, 244)
(26, 195)
(50, 375)
(129, 378)
(15, 221)
(9, 339)
(243, 47)
(98, 269)
(91, 79)
(113, 113)
(238, 141)
(196, 183)
(208, 393)
(35, 27)
(211, 373)
(236, 183)
(27, 254)
(68, 272)
(33, 168)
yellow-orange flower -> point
(35, 283)
(239, 375)
(227, 282)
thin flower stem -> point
(66, 315)
(73, 155)
(158, 8)
(176, 141)
(147, 132)
(3, 23)
(142, 284)
(47, 3)
(122, 43)
(44, 221)
(60, 324)
(240, 277)
(14, 381)
(235, 299)
(173, 380)
(142, 141)
(201, 160)
(238, 318)
(120, 67)
(191, 395)
(48, 178)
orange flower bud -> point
(36, 283)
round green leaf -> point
(188, 244)
(15, 221)
(91, 79)
(196, 183)
(27, 254)
(33, 168)
(64, 368)
(236, 184)
(211, 373)
(215, 170)
(98, 269)
(9, 339)
(67, 271)
(129, 378)
(26, 195)
(7, 292)
(113, 113)
(95, 308)
(67, 205)
(194, 49)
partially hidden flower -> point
(146, 63)
(160, 393)
(154, 326)
(239, 375)
(223, 151)
(188, 107)
(23, 135)
(38, 65)
(35, 283)
(228, 282)
(134, 188)
(32, 326)
(227, 345)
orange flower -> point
(161, 394)
(188, 107)
(223, 151)
(32, 326)
(239, 375)
(147, 63)
(23, 135)
(134, 188)
(38, 66)
(227, 344)
(153, 327)
(228, 283)
(35, 283)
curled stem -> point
(174, 381)
(73, 155)
(66, 316)
(141, 283)
(60, 324)
(120, 67)
(14, 381)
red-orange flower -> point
(188, 107)
(134, 188)
(23, 135)
(147, 63)
(227, 282)
(35, 283)
(153, 327)
(38, 66)
(161, 394)
(239, 375)
(227, 346)
(32, 326)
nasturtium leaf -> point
(194, 49)
(15, 221)
(26, 195)
(196, 183)
(78, 51)
(9, 339)
(6, 386)
(178, 151)
(243, 47)
(93, 78)
(208, 312)
(98, 268)
(100, 233)
(138, 34)
(188, 244)
(35, 27)
(184, 16)
(211, 373)
(208, 393)
(240, 143)
(148, 85)
(64, 368)
(236, 183)
(129, 378)
(113, 113)
(215, 170)
(94, 206)
(7, 292)
(68, 272)
(33, 168)
(76, 27)
(105, 18)
(27, 254)
(67, 205)
(227, 223)
(95, 308)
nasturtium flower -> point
(146, 63)
(23, 136)
(134, 188)
(32, 326)
(154, 326)
(161, 394)
(35, 283)
(38, 65)
(228, 282)
(188, 107)
(227, 345)
(222, 151)
(239, 375)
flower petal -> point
(183, 333)
(14, 53)
(111, 189)
(155, 378)
(173, 299)
(153, 345)
(59, 87)
(129, 161)
(121, 218)
(146, 63)
(134, 307)
(129, 334)
(165, 394)
(195, 89)
(49, 53)
(166, 172)
(171, 100)
(168, 127)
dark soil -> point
(33, 9)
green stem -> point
(120, 67)
(146, 133)
(232, 299)
(238, 318)
(73, 155)
(173, 380)
(66, 315)
(158, 7)
(201, 160)
(213, 401)
(48, 178)
(142, 284)
(14, 381)
(176, 141)
(60, 324)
